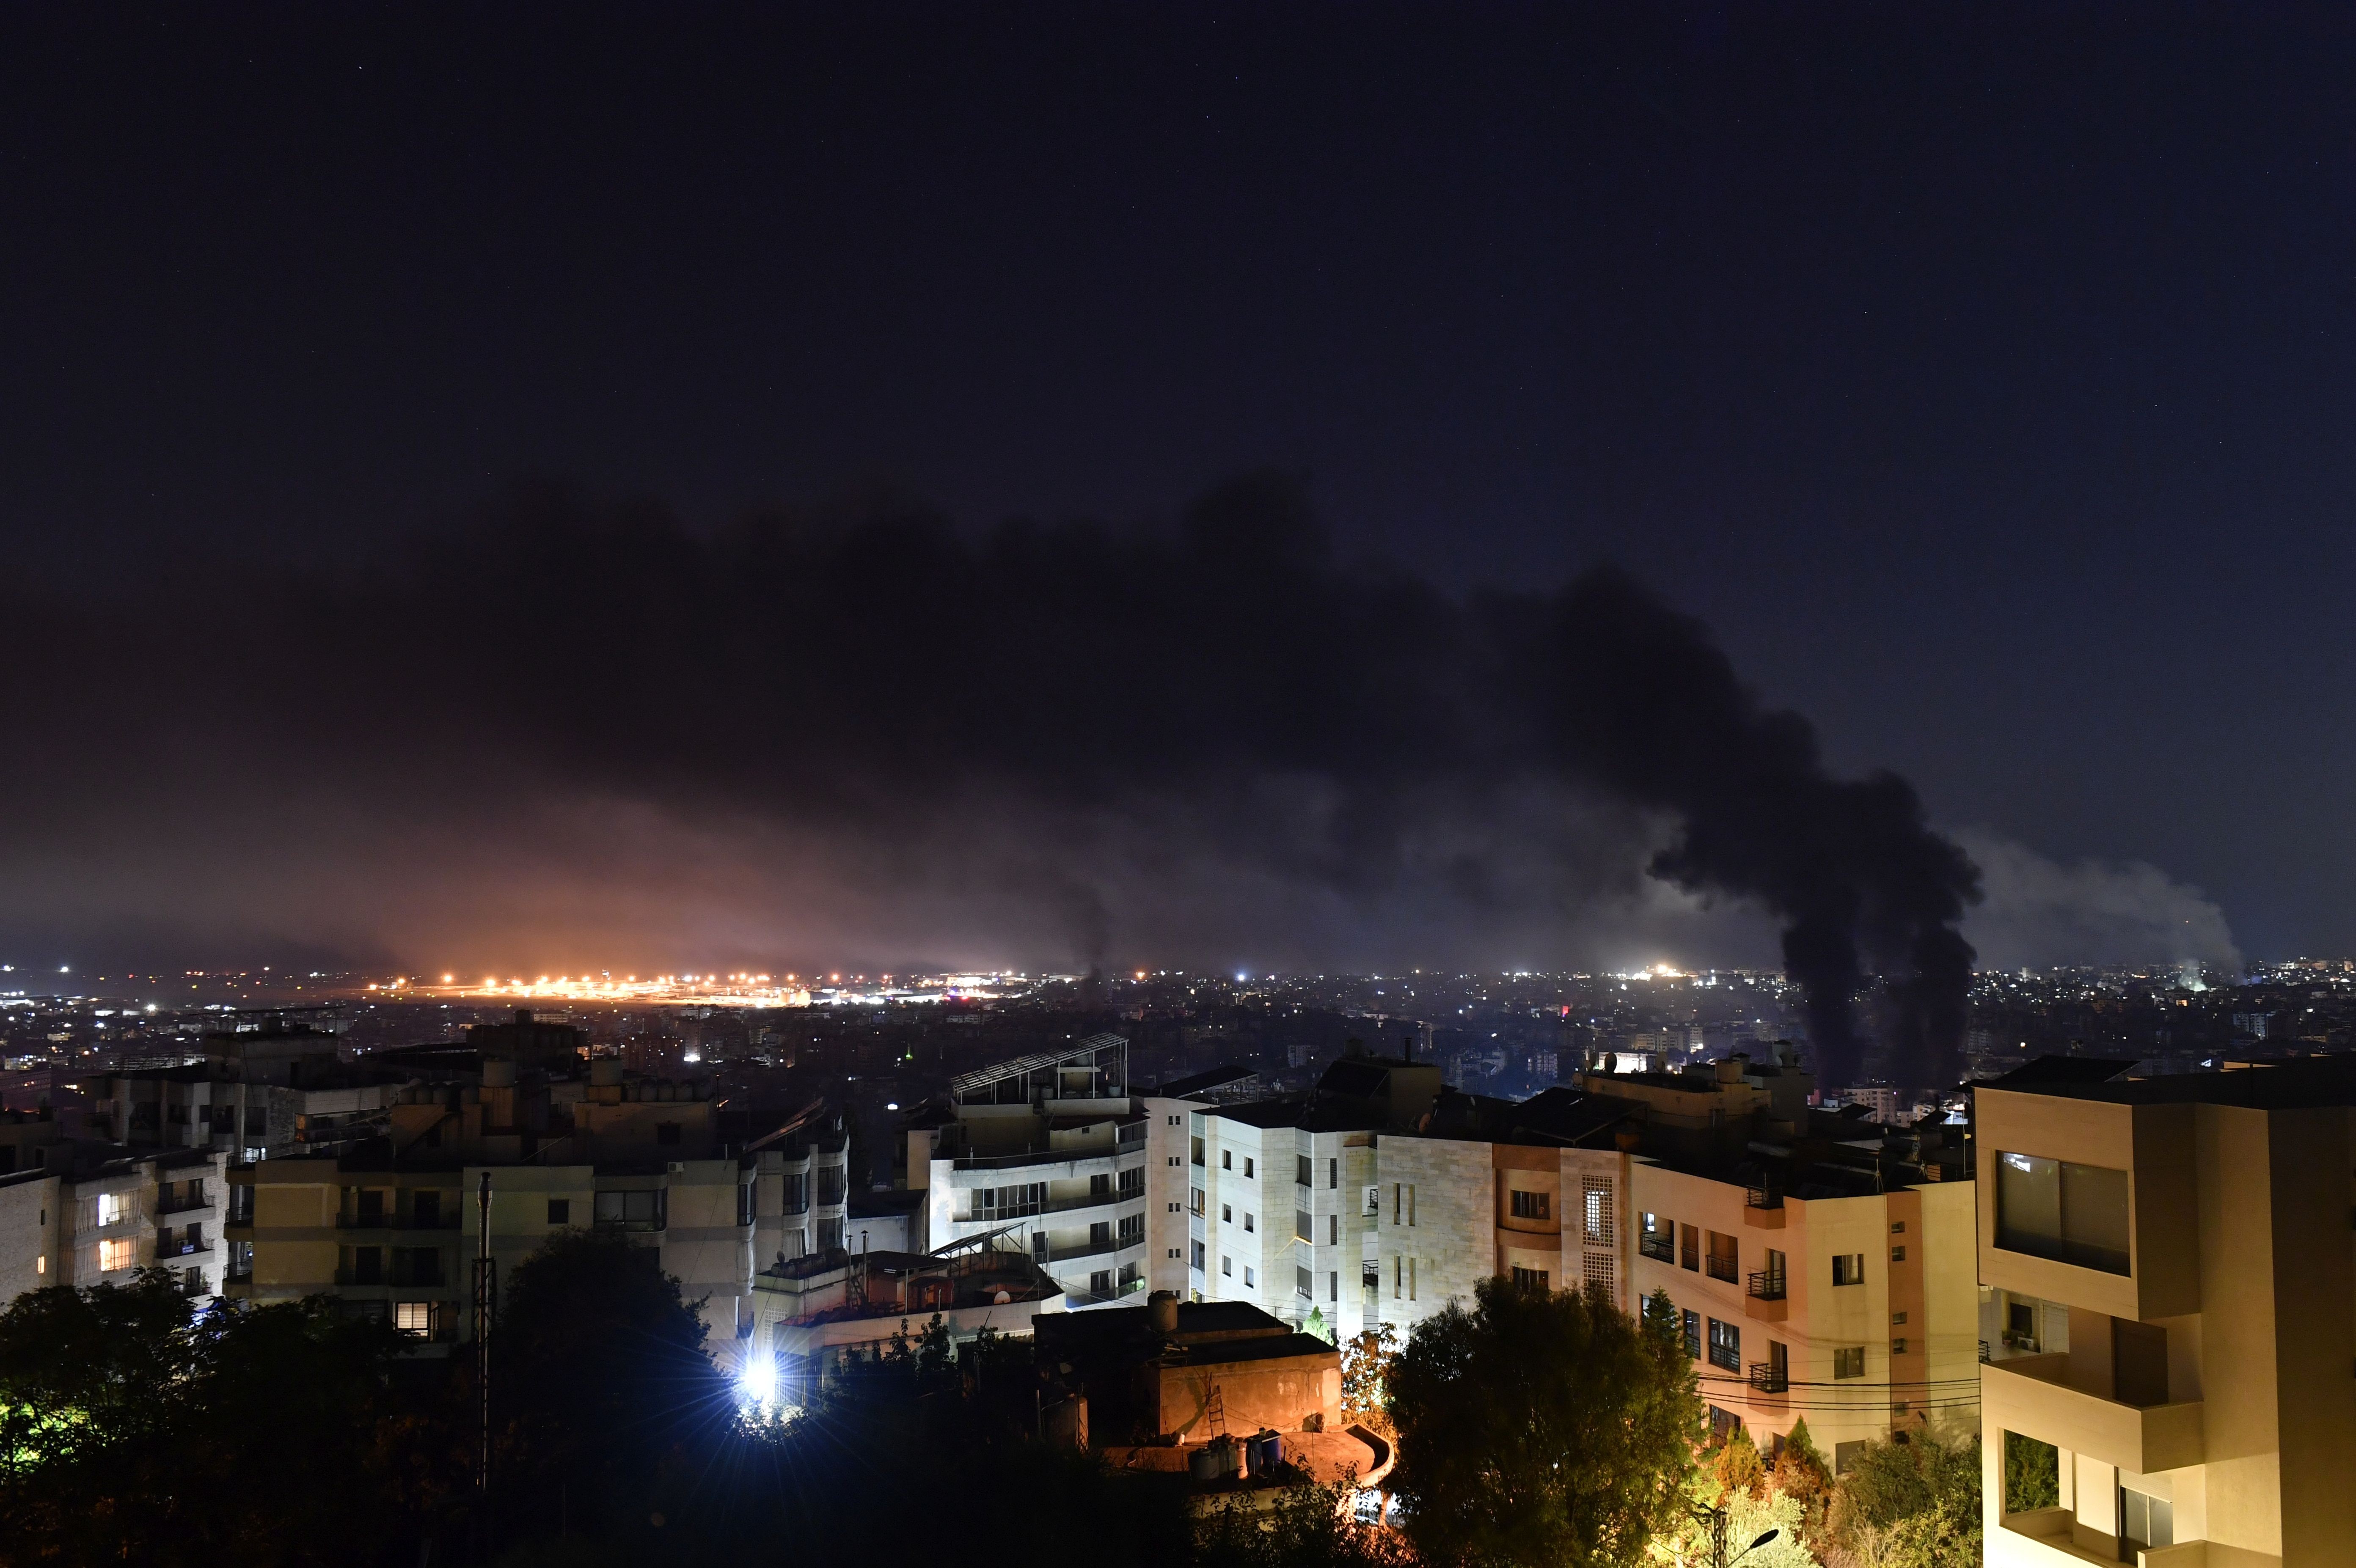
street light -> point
(1715, 1520)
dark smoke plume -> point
(1016, 709)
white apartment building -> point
(93, 1214)
(1052, 1147)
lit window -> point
(41, 1263)
(413, 1317)
(113, 1254)
(110, 1209)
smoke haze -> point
(578, 725)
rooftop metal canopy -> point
(1104, 1053)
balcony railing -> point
(1768, 1378)
(1659, 1248)
(1726, 1269)
(184, 1250)
(1764, 1198)
(1767, 1285)
(1726, 1358)
(1095, 1249)
(166, 1204)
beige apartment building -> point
(2170, 1309)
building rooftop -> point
(2295, 1083)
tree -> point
(1311, 1526)
(603, 1391)
(1737, 1469)
(1540, 1428)
(1367, 1363)
(1909, 1505)
(1802, 1475)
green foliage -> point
(1737, 1469)
(1911, 1505)
(136, 1429)
(1310, 1526)
(1367, 1363)
(2032, 1474)
(1315, 1324)
(1748, 1519)
(1541, 1428)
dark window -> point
(1304, 1284)
(1132, 1229)
(632, 1211)
(1531, 1279)
(1689, 1251)
(1100, 1234)
(426, 1265)
(1301, 1168)
(1529, 1205)
(1196, 1145)
(2056, 1209)
(1848, 1361)
(559, 1211)
(1100, 1185)
(371, 1206)
(1100, 1283)
(367, 1266)
(1849, 1268)
(744, 1203)
(1133, 1182)
(1692, 1325)
(425, 1208)
(666, 1132)
(1195, 1254)
(1898, 1254)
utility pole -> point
(1715, 1520)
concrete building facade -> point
(2171, 1306)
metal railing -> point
(1767, 1285)
(1764, 1198)
(182, 1204)
(184, 1250)
(1659, 1248)
(1726, 1269)
(1768, 1378)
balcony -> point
(2032, 1395)
(1764, 1298)
(1659, 1248)
(166, 1203)
(1762, 1209)
(1726, 1269)
(1095, 1249)
(1768, 1378)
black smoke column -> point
(1641, 700)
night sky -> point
(1980, 379)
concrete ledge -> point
(2027, 1395)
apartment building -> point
(271, 1083)
(1279, 1193)
(1819, 1266)
(2170, 1317)
(392, 1227)
(93, 1213)
(1053, 1149)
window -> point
(1396, 1210)
(1530, 1279)
(1692, 1326)
(1248, 1168)
(2056, 1209)
(1303, 1227)
(1410, 1203)
(2032, 1474)
(413, 1317)
(1725, 1345)
(1602, 1211)
(1226, 1213)
(1194, 1255)
(1194, 1200)
(1410, 1279)
(1100, 1283)
(1846, 1455)
(425, 1208)
(1898, 1226)
(560, 1211)
(1898, 1254)
(1133, 1182)
(1374, 1202)
(1332, 1230)
(1226, 1159)
(641, 1211)
(1399, 1277)
(371, 1206)
(1723, 1257)
(1849, 1268)
(112, 1211)
(1304, 1285)
(1689, 1248)
(41, 1263)
(1132, 1229)
(1173, 1254)
(1848, 1361)
(1898, 1320)
(1250, 1278)
(1252, 1223)
(1304, 1170)
(743, 1204)
(1654, 1239)
(1333, 1174)
(113, 1254)
(367, 1266)
(1898, 1347)
(424, 1266)
(1013, 1202)
(1100, 1185)
(666, 1132)
(1227, 1266)
(1195, 1147)
(1527, 1205)
(1101, 1234)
